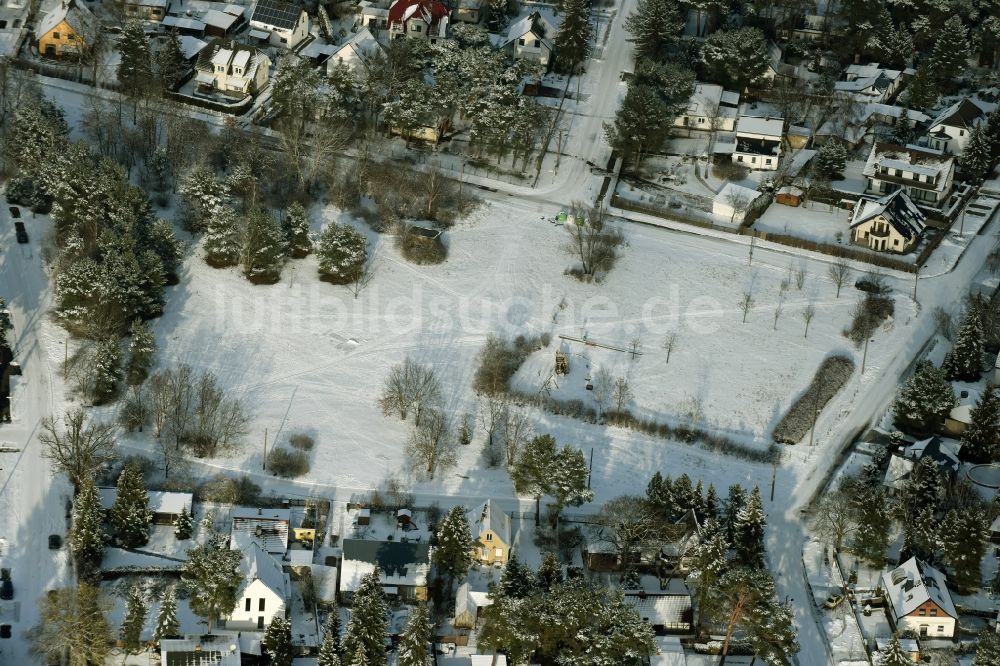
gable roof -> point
(282, 15)
(963, 114)
(430, 11)
(914, 159)
(393, 557)
(159, 501)
(897, 209)
(754, 125)
(935, 448)
(534, 23)
(489, 517)
(79, 17)
(362, 47)
(267, 528)
(259, 565)
(912, 584)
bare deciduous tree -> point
(603, 383)
(621, 393)
(739, 202)
(626, 523)
(839, 273)
(592, 240)
(431, 443)
(409, 386)
(833, 520)
(74, 625)
(669, 343)
(800, 278)
(80, 448)
(808, 312)
(746, 304)
(517, 430)
(492, 415)
(778, 309)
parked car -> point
(55, 542)
(871, 285)
(6, 590)
(20, 232)
(15, 212)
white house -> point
(530, 38)
(891, 223)
(918, 600)
(285, 24)
(949, 131)
(925, 175)
(233, 69)
(219, 649)
(758, 142)
(359, 53)
(733, 202)
(872, 82)
(710, 105)
(263, 594)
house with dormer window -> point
(891, 223)
(925, 175)
(235, 70)
(264, 593)
(917, 600)
(950, 131)
(492, 532)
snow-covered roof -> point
(217, 19)
(277, 14)
(470, 601)
(705, 98)
(361, 49)
(912, 584)
(159, 501)
(214, 650)
(892, 111)
(78, 16)
(871, 70)
(660, 609)
(191, 46)
(732, 191)
(183, 22)
(963, 114)
(771, 127)
(730, 98)
(470, 660)
(400, 563)
(898, 472)
(257, 564)
(943, 452)
(897, 209)
(489, 517)
(534, 23)
(265, 527)
(316, 49)
(914, 159)
(324, 581)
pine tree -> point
(364, 640)
(413, 644)
(170, 62)
(871, 534)
(549, 573)
(130, 515)
(330, 649)
(894, 655)
(453, 551)
(965, 360)
(183, 526)
(902, 133)
(988, 649)
(572, 43)
(965, 536)
(204, 196)
(134, 68)
(684, 497)
(296, 229)
(167, 625)
(6, 326)
(992, 134)
(925, 400)
(517, 581)
(164, 243)
(709, 558)
(981, 439)
(659, 495)
(977, 158)
(141, 348)
(106, 369)
(830, 160)
(735, 502)
(86, 537)
(653, 25)
(736, 58)
(923, 490)
(642, 122)
(569, 480)
(135, 619)
(750, 531)
(923, 90)
(531, 473)
(223, 242)
(263, 248)
(277, 641)
(212, 579)
(950, 56)
(342, 252)
(711, 504)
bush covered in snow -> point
(222, 489)
(831, 376)
(500, 359)
(301, 441)
(288, 464)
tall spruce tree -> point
(6, 325)
(750, 523)
(965, 360)
(950, 56)
(517, 580)
(871, 534)
(184, 525)
(532, 470)
(141, 348)
(414, 643)
(135, 619)
(735, 502)
(264, 248)
(135, 66)
(330, 649)
(549, 573)
(925, 400)
(212, 578)
(711, 510)
(106, 370)
(964, 535)
(988, 649)
(894, 655)
(569, 480)
(977, 157)
(364, 640)
(277, 641)
(572, 44)
(342, 252)
(86, 536)
(170, 62)
(981, 439)
(130, 515)
(659, 495)
(709, 559)
(223, 243)
(654, 25)
(453, 550)
(167, 625)
(296, 227)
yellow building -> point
(66, 30)
(891, 223)
(491, 529)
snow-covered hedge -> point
(831, 376)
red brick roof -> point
(431, 11)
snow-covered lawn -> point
(812, 220)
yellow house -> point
(66, 30)
(491, 529)
(891, 223)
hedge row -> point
(831, 376)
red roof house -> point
(421, 19)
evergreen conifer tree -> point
(453, 551)
(711, 504)
(223, 244)
(894, 655)
(569, 480)
(107, 369)
(212, 579)
(871, 535)
(925, 400)
(709, 558)
(364, 640)
(263, 248)
(549, 572)
(330, 649)
(750, 531)
(988, 649)
(170, 62)
(184, 525)
(296, 229)
(130, 514)
(6, 325)
(977, 158)
(342, 252)
(86, 537)
(572, 44)
(135, 618)
(277, 641)
(413, 644)
(134, 68)
(653, 26)
(735, 502)
(659, 494)
(965, 360)
(141, 348)
(950, 55)
(517, 580)
(830, 160)
(981, 439)
(965, 536)
(166, 620)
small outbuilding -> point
(789, 195)
(733, 202)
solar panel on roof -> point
(278, 14)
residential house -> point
(949, 132)
(469, 605)
(232, 69)
(264, 592)
(944, 453)
(66, 30)
(280, 23)
(166, 507)
(917, 600)
(891, 223)
(531, 37)
(221, 24)
(733, 202)
(374, 15)
(960, 416)
(758, 142)
(492, 532)
(404, 567)
(664, 604)
(473, 12)
(872, 83)
(419, 19)
(679, 541)
(268, 528)
(711, 108)
(146, 10)
(925, 175)
(359, 53)
(221, 648)
(811, 28)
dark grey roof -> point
(282, 15)
(393, 557)
(897, 209)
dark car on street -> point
(20, 232)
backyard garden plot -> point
(310, 357)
